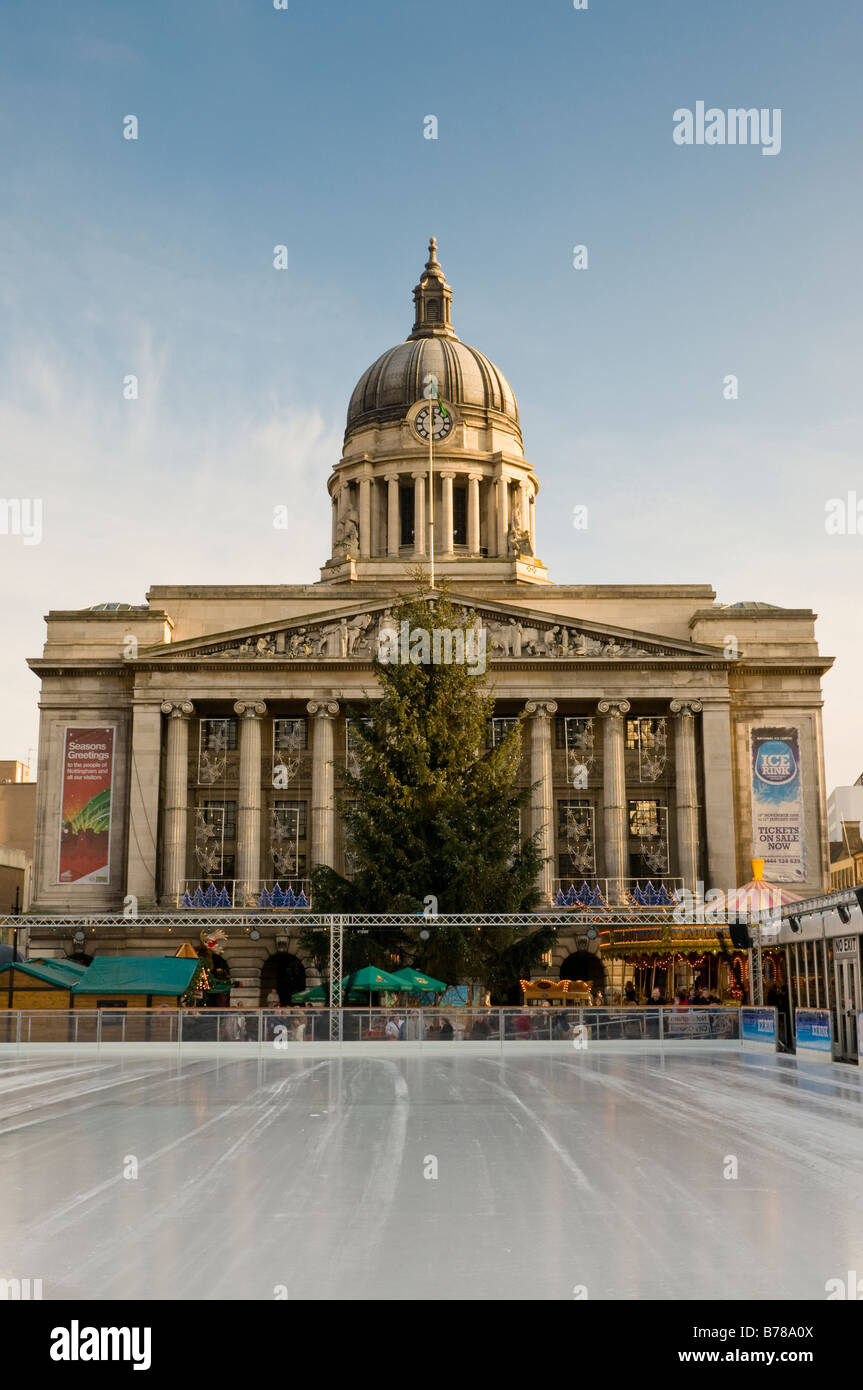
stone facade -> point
(229, 703)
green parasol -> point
(418, 983)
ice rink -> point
(316, 1176)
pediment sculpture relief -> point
(344, 637)
(358, 636)
(557, 641)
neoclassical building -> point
(189, 747)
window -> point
(406, 513)
(644, 818)
(648, 827)
(351, 862)
(227, 871)
(498, 728)
(219, 735)
(459, 515)
(221, 817)
(287, 829)
(576, 839)
(573, 731)
(290, 734)
(647, 738)
(217, 739)
(352, 739)
(291, 816)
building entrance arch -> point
(584, 965)
(283, 972)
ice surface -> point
(596, 1169)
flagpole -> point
(431, 490)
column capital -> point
(447, 473)
(249, 709)
(390, 477)
(541, 708)
(614, 709)
(178, 709)
(323, 709)
(685, 708)
(475, 477)
(421, 474)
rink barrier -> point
(290, 1030)
(813, 1034)
(759, 1028)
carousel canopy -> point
(755, 899)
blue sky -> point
(305, 127)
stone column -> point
(686, 789)
(721, 868)
(146, 752)
(524, 506)
(176, 796)
(420, 480)
(473, 481)
(365, 518)
(615, 828)
(446, 512)
(393, 519)
(502, 515)
(542, 806)
(532, 522)
(248, 867)
(323, 805)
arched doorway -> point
(283, 972)
(584, 965)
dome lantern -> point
(433, 301)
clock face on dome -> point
(441, 423)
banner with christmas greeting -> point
(777, 804)
(85, 805)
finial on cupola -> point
(433, 300)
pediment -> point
(350, 633)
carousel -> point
(575, 994)
(707, 953)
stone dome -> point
(466, 378)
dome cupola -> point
(466, 378)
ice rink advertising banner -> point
(777, 804)
(85, 805)
(758, 1025)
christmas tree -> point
(431, 810)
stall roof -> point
(63, 973)
(138, 975)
